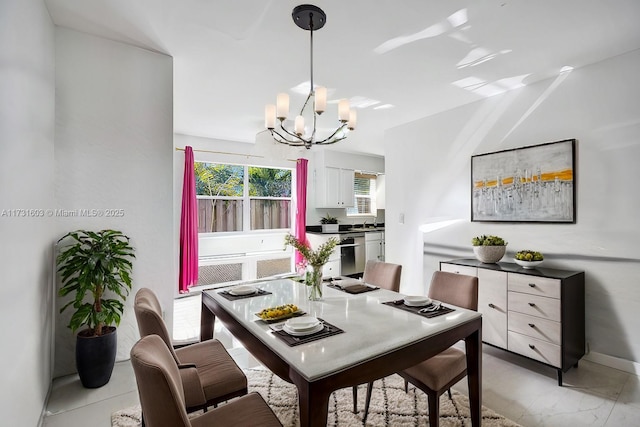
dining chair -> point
(437, 374)
(162, 395)
(387, 276)
(209, 374)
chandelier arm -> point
(325, 141)
(306, 102)
(284, 140)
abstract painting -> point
(528, 184)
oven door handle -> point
(350, 245)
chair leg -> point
(434, 410)
(449, 391)
(406, 386)
(355, 399)
(366, 403)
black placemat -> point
(292, 341)
(353, 289)
(416, 310)
(232, 297)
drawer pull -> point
(457, 272)
(532, 304)
(533, 285)
(532, 347)
(532, 325)
(491, 305)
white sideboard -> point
(537, 313)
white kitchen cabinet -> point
(374, 245)
(334, 187)
(537, 313)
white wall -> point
(114, 150)
(428, 180)
(26, 182)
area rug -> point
(390, 405)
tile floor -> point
(520, 389)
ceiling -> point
(406, 59)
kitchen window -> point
(242, 198)
(364, 188)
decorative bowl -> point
(489, 254)
(527, 264)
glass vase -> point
(313, 280)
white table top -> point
(370, 327)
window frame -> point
(371, 196)
(246, 198)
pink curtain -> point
(301, 203)
(188, 227)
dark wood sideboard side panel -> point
(573, 320)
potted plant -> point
(489, 249)
(329, 224)
(93, 265)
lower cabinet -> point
(536, 313)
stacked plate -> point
(301, 326)
(243, 290)
(417, 301)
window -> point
(242, 198)
(364, 187)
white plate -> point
(243, 290)
(302, 323)
(416, 301)
(294, 333)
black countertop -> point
(345, 229)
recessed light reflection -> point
(384, 107)
(458, 18)
(428, 228)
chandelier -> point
(310, 18)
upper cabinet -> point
(334, 187)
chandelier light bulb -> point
(343, 110)
(270, 116)
(353, 119)
(320, 99)
(299, 125)
(282, 104)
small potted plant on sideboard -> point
(329, 224)
(489, 249)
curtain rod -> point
(231, 154)
(221, 152)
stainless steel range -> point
(352, 254)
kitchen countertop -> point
(344, 229)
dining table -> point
(376, 338)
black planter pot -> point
(95, 357)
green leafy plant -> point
(316, 258)
(488, 241)
(528, 255)
(94, 263)
(328, 219)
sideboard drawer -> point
(534, 285)
(535, 349)
(533, 305)
(535, 327)
(459, 269)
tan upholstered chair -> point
(162, 395)
(209, 374)
(387, 276)
(436, 375)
